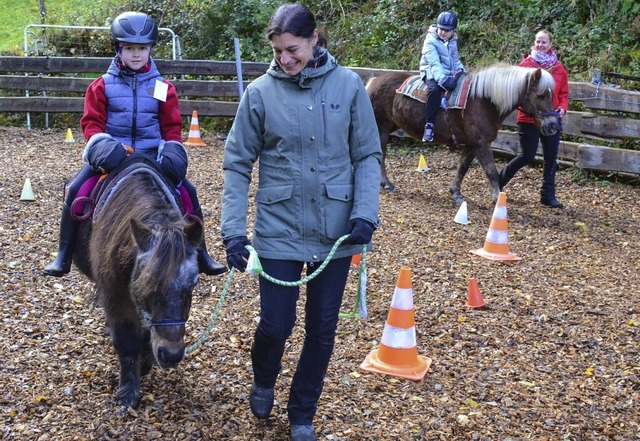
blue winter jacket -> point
(440, 58)
(132, 110)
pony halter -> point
(166, 322)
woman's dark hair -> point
(292, 18)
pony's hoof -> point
(128, 398)
(388, 186)
(456, 195)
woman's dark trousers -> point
(277, 318)
(529, 139)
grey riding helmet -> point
(134, 27)
(447, 20)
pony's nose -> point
(169, 357)
(550, 128)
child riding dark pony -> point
(130, 108)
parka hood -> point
(321, 63)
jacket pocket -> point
(338, 209)
(276, 213)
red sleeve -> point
(94, 119)
(561, 92)
(527, 62)
(169, 116)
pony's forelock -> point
(546, 82)
(167, 256)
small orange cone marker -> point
(194, 139)
(27, 191)
(398, 354)
(69, 137)
(496, 245)
(422, 165)
(474, 297)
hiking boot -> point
(551, 202)
(303, 432)
(261, 401)
(427, 136)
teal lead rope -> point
(214, 315)
(255, 267)
(360, 308)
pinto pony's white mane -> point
(503, 84)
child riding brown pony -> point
(494, 93)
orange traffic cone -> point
(356, 259)
(474, 297)
(398, 354)
(194, 132)
(496, 245)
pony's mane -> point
(140, 199)
(502, 84)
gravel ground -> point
(555, 354)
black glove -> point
(104, 153)
(449, 83)
(361, 232)
(237, 253)
(173, 161)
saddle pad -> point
(121, 179)
(81, 205)
(415, 88)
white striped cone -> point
(398, 353)
(496, 245)
(194, 132)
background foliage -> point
(588, 34)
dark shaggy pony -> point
(141, 253)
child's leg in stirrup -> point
(205, 262)
(68, 228)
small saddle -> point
(95, 191)
(415, 88)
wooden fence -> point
(57, 84)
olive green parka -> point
(316, 142)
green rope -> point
(254, 267)
(214, 316)
(360, 308)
